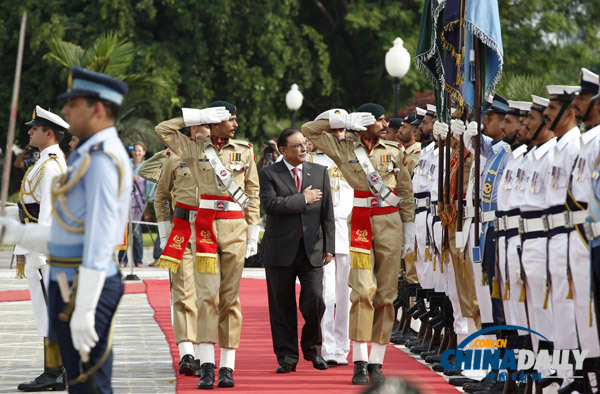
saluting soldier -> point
(383, 210)
(226, 228)
(35, 206)
(91, 205)
(176, 184)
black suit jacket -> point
(288, 215)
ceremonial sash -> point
(178, 239)
(206, 240)
(374, 180)
(487, 194)
(361, 232)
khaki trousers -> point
(218, 303)
(183, 293)
(374, 290)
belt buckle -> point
(221, 205)
(192, 216)
(521, 226)
(587, 229)
(545, 223)
(427, 201)
(568, 221)
(497, 224)
(416, 203)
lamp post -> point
(397, 63)
(293, 100)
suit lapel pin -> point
(307, 174)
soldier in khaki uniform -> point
(226, 228)
(375, 225)
(407, 135)
(177, 184)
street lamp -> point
(397, 63)
(293, 100)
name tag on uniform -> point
(203, 160)
(354, 161)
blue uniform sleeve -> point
(102, 221)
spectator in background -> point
(74, 142)
(139, 197)
(27, 158)
(268, 154)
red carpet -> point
(256, 363)
(23, 295)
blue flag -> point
(453, 42)
(482, 20)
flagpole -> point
(13, 118)
(477, 44)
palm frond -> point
(522, 86)
(110, 55)
(64, 53)
(144, 79)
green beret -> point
(375, 109)
(395, 123)
(228, 106)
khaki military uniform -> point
(218, 304)
(413, 155)
(374, 289)
(176, 183)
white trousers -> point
(509, 311)
(579, 260)
(439, 277)
(336, 294)
(565, 331)
(482, 291)
(514, 268)
(424, 268)
(534, 261)
(38, 300)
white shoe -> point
(341, 359)
(330, 359)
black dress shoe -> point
(52, 379)
(484, 385)
(207, 376)
(197, 367)
(286, 368)
(360, 373)
(437, 367)
(461, 381)
(226, 377)
(317, 362)
(452, 372)
(375, 374)
(187, 365)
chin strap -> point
(539, 129)
(557, 119)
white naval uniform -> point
(534, 253)
(47, 167)
(336, 292)
(565, 153)
(514, 312)
(422, 184)
(583, 174)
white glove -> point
(470, 133)
(458, 128)
(32, 236)
(354, 121)
(195, 117)
(440, 130)
(89, 288)
(35, 260)
(164, 229)
(252, 245)
(408, 229)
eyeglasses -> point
(300, 145)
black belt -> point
(182, 213)
(32, 208)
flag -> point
(453, 43)
(482, 20)
(429, 52)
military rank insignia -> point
(554, 176)
(580, 168)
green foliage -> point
(522, 86)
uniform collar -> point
(414, 147)
(436, 151)
(84, 146)
(429, 147)
(54, 149)
(544, 148)
(519, 151)
(498, 146)
(589, 135)
(570, 135)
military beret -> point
(228, 106)
(395, 123)
(375, 109)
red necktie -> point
(297, 179)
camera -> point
(130, 147)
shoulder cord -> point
(40, 174)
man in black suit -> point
(299, 239)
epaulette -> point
(242, 143)
(52, 155)
(99, 147)
(392, 143)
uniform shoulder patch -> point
(392, 143)
(243, 143)
(99, 147)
